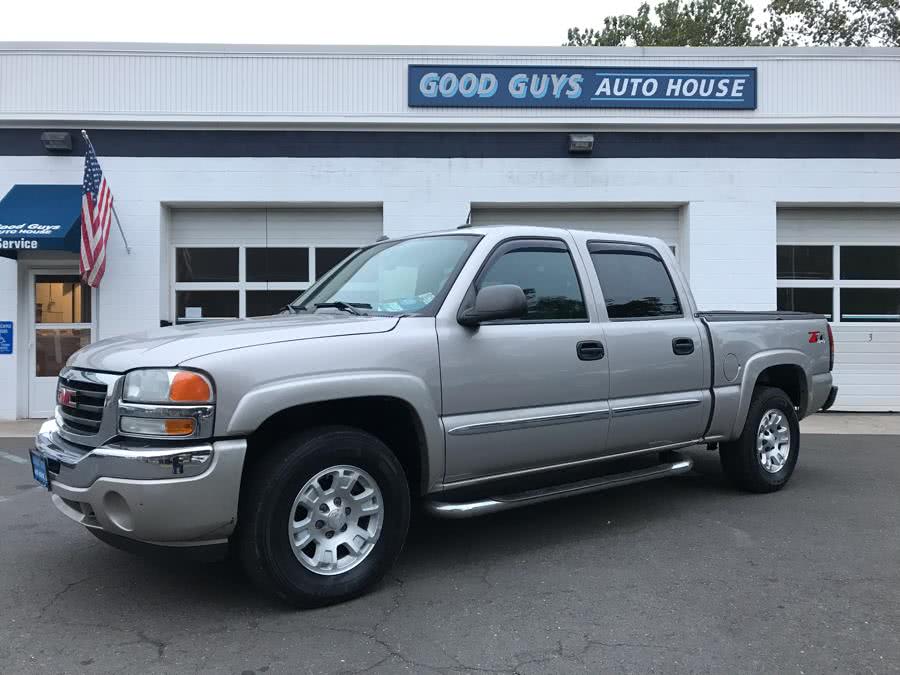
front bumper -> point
(158, 494)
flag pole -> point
(87, 140)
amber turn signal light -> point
(188, 387)
(179, 427)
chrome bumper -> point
(151, 493)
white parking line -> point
(13, 458)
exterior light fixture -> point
(581, 144)
(57, 141)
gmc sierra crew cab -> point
(473, 371)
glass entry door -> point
(62, 324)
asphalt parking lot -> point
(672, 576)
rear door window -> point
(635, 282)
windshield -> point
(402, 277)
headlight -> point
(167, 386)
(166, 403)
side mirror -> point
(495, 303)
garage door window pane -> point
(278, 264)
(195, 305)
(816, 300)
(328, 258)
(635, 286)
(265, 303)
(805, 262)
(870, 262)
(206, 264)
(870, 304)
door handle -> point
(590, 350)
(683, 346)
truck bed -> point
(735, 315)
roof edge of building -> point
(448, 50)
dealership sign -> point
(27, 235)
(581, 87)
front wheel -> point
(323, 517)
(763, 458)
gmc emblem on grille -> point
(65, 396)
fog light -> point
(148, 426)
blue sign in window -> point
(6, 337)
(581, 87)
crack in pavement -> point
(68, 587)
(144, 639)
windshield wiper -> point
(291, 309)
(345, 306)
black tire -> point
(740, 460)
(267, 498)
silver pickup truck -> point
(477, 370)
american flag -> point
(96, 218)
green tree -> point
(730, 23)
(839, 23)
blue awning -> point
(40, 218)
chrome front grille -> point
(81, 404)
(82, 398)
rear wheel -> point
(324, 516)
(763, 458)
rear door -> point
(655, 351)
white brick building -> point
(220, 156)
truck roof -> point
(505, 230)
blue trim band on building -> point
(475, 86)
(475, 144)
(40, 218)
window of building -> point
(870, 263)
(219, 282)
(635, 283)
(818, 300)
(206, 264)
(545, 272)
(863, 284)
(328, 258)
(805, 262)
(278, 264)
(870, 304)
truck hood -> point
(171, 346)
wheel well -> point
(789, 378)
(392, 420)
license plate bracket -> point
(39, 469)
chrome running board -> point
(679, 465)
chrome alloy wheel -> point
(773, 441)
(336, 520)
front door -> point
(655, 351)
(61, 325)
(516, 394)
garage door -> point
(648, 222)
(845, 263)
(250, 262)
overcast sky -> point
(400, 22)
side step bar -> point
(679, 465)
